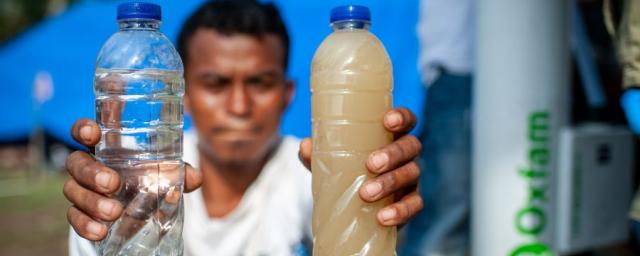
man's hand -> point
(92, 184)
(630, 102)
(395, 165)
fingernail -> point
(393, 120)
(373, 189)
(387, 214)
(106, 207)
(379, 160)
(94, 228)
(103, 180)
(86, 132)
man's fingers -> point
(402, 211)
(86, 132)
(91, 174)
(399, 120)
(193, 178)
(391, 182)
(85, 226)
(94, 204)
(393, 155)
(305, 152)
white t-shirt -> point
(272, 218)
(446, 32)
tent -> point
(57, 57)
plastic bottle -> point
(139, 86)
(351, 84)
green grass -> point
(33, 216)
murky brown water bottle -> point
(351, 84)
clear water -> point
(140, 114)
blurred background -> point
(47, 54)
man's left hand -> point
(396, 169)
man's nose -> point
(239, 101)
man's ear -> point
(290, 90)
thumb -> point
(193, 178)
(304, 153)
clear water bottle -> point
(139, 86)
(351, 85)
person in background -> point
(446, 32)
(255, 194)
(627, 42)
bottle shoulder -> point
(139, 49)
(351, 59)
(349, 46)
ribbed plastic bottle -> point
(351, 85)
(139, 86)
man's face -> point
(236, 92)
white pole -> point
(520, 93)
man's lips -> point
(246, 130)
(237, 135)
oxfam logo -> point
(531, 219)
(534, 249)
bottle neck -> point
(139, 24)
(350, 25)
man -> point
(446, 34)
(255, 197)
(626, 36)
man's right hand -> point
(92, 184)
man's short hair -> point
(229, 17)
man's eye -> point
(216, 85)
(260, 83)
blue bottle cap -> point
(139, 10)
(350, 12)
